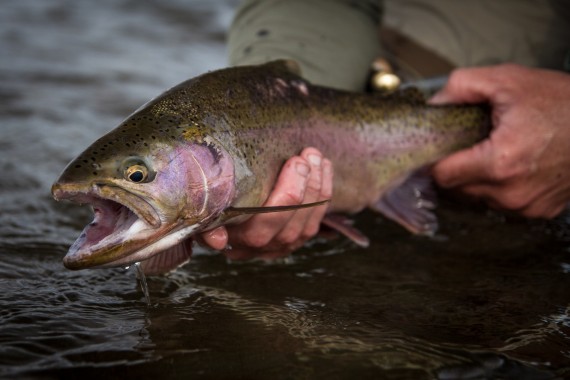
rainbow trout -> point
(207, 153)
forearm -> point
(334, 41)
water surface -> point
(488, 298)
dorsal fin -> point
(288, 65)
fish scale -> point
(208, 151)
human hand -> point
(524, 165)
(304, 179)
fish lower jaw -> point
(108, 235)
(117, 237)
(153, 249)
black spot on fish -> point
(77, 166)
(263, 33)
(247, 50)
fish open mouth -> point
(123, 224)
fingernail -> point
(438, 98)
(314, 159)
(302, 169)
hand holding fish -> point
(524, 165)
(304, 179)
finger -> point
(289, 190)
(313, 224)
(518, 199)
(216, 238)
(548, 204)
(249, 254)
(295, 227)
(469, 85)
(507, 196)
(543, 209)
(466, 166)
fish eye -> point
(136, 170)
(136, 173)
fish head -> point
(149, 188)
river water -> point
(487, 298)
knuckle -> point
(503, 168)
(289, 236)
(510, 69)
(292, 198)
(533, 213)
(512, 200)
(310, 231)
(314, 185)
(456, 76)
(546, 211)
(256, 240)
(326, 192)
(497, 171)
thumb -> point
(464, 167)
(467, 85)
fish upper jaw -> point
(123, 223)
(111, 192)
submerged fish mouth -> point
(123, 224)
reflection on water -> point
(142, 281)
(488, 298)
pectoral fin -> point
(411, 204)
(168, 260)
(343, 225)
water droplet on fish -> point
(142, 281)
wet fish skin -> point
(218, 141)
